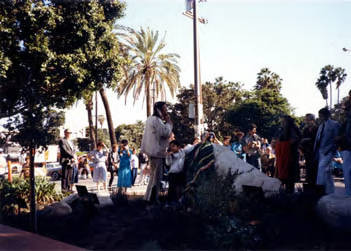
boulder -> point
(335, 210)
(70, 199)
(227, 161)
(57, 209)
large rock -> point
(335, 210)
(57, 210)
(71, 198)
(227, 161)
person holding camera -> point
(158, 129)
(124, 171)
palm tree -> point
(328, 75)
(340, 78)
(88, 101)
(148, 69)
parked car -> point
(54, 170)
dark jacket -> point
(66, 152)
(344, 138)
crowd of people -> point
(120, 161)
(315, 149)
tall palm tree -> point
(147, 68)
(340, 78)
(328, 75)
(88, 101)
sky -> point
(294, 39)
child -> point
(175, 159)
(134, 162)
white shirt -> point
(176, 160)
(156, 137)
(134, 161)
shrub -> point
(16, 195)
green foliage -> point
(43, 129)
(52, 52)
(268, 80)
(15, 196)
(327, 76)
(148, 69)
(263, 107)
(226, 214)
(132, 132)
(217, 97)
(104, 137)
(183, 126)
(83, 144)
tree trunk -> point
(89, 108)
(148, 101)
(111, 129)
(338, 95)
(331, 97)
(33, 208)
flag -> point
(189, 5)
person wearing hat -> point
(67, 159)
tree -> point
(49, 57)
(132, 132)
(327, 76)
(49, 121)
(183, 126)
(264, 108)
(268, 80)
(148, 70)
(91, 23)
(340, 79)
(217, 96)
(88, 100)
(108, 116)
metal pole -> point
(197, 86)
(96, 117)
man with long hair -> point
(158, 129)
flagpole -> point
(197, 85)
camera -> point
(212, 135)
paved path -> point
(104, 196)
(16, 239)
